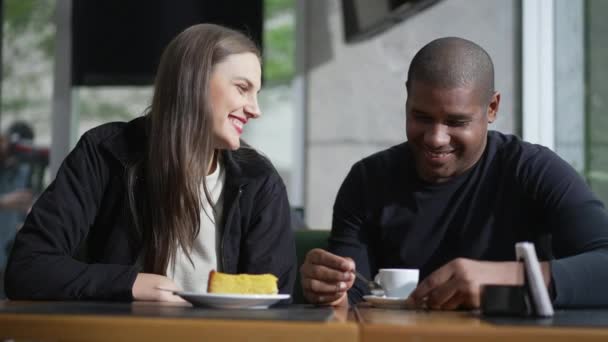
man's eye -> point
(422, 118)
(457, 123)
(242, 88)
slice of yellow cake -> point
(242, 283)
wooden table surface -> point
(71, 327)
(407, 325)
(359, 324)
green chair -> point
(305, 241)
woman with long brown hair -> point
(161, 200)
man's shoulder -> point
(510, 146)
(521, 159)
(394, 155)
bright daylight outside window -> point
(596, 74)
(28, 34)
(273, 134)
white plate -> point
(387, 302)
(231, 301)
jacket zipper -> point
(223, 237)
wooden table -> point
(157, 322)
(93, 327)
(406, 325)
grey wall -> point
(355, 94)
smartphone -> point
(534, 282)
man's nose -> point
(437, 136)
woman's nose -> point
(252, 109)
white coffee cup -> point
(397, 282)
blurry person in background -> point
(16, 196)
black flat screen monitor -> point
(118, 42)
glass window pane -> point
(596, 27)
(274, 133)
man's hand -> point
(20, 200)
(326, 277)
(458, 283)
(146, 288)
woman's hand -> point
(146, 287)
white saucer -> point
(387, 302)
(231, 301)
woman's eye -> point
(242, 88)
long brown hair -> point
(166, 201)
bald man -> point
(454, 199)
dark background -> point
(118, 42)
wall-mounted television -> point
(364, 19)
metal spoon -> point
(375, 288)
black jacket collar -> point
(128, 145)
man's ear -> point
(493, 107)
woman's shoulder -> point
(248, 164)
(124, 140)
(111, 129)
(104, 131)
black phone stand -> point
(508, 300)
